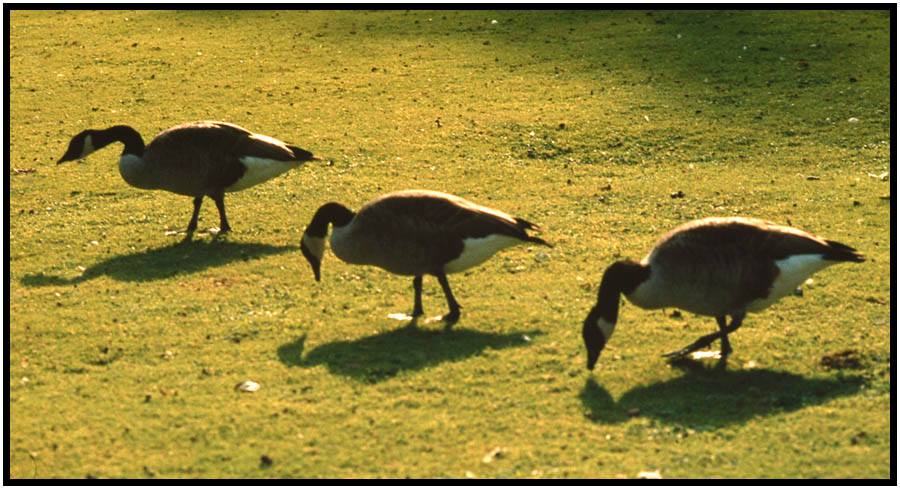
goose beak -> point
(594, 341)
(593, 356)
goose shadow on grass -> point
(379, 357)
(714, 398)
(183, 257)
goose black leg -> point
(417, 305)
(726, 345)
(704, 341)
(219, 199)
(192, 226)
(451, 317)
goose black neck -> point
(134, 144)
(333, 213)
(621, 277)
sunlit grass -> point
(606, 128)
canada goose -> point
(415, 232)
(194, 159)
(714, 267)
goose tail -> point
(841, 252)
(301, 154)
(525, 225)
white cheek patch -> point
(477, 250)
(259, 170)
(316, 246)
(606, 327)
(88, 146)
(793, 271)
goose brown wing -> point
(721, 262)
(200, 157)
(448, 215)
(429, 226)
(764, 244)
(780, 242)
(261, 146)
(237, 142)
(190, 158)
(753, 237)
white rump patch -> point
(477, 250)
(259, 170)
(793, 271)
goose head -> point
(621, 277)
(313, 248)
(313, 243)
(596, 331)
(80, 146)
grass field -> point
(607, 128)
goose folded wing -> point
(260, 146)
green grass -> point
(126, 346)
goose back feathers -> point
(415, 232)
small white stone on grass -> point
(248, 386)
(853, 120)
(494, 454)
(699, 355)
